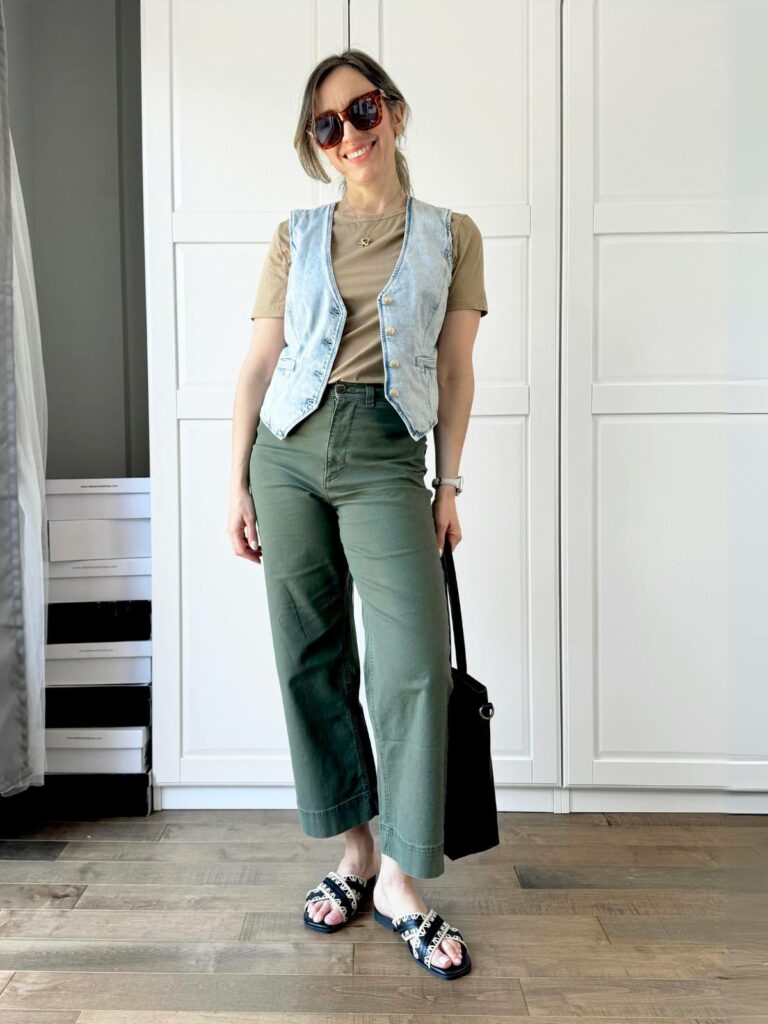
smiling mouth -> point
(371, 144)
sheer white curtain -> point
(31, 453)
(23, 451)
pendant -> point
(365, 240)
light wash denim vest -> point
(411, 311)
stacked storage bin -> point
(99, 649)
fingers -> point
(245, 543)
(446, 535)
(251, 534)
(446, 527)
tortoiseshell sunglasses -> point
(364, 112)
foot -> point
(350, 864)
(395, 897)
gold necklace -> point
(365, 239)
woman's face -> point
(341, 86)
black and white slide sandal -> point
(346, 893)
(424, 933)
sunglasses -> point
(363, 112)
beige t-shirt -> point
(361, 273)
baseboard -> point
(552, 799)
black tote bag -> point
(471, 823)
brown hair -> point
(306, 146)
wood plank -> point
(449, 900)
(560, 958)
(233, 815)
(519, 833)
(661, 835)
(221, 832)
(301, 877)
(575, 930)
(179, 926)
(29, 896)
(305, 852)
(685, 930)
(535, 877)
(623, 998)
(744, 995)
(748, 961)
(137, 830)
(287, 815)
(39, 1016)
(244, 992)
(308, 957)
(30, 849)
(319, 1017)
(689, 820)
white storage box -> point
(111, 498)
(70, 539)
(113, 579)
(92, 750)
(98, 664)
(98, 519)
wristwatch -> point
(457, 481)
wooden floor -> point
(195, 916)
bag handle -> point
(452, 589)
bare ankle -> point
(358, 842)
(392, 876)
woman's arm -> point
(267, 342)
(456, 391)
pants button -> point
(341, 387)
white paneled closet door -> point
(483, 140)
(220, 101)
(665, 557)
(221, 87)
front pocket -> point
(286, 363)
(427, 361)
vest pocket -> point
(285, 362)
(427, 364)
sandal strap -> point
(424, 933)
(343, 891)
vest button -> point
(394, 362)
(394, 392)
(390, 330)
(387, 299)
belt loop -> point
(370, 394)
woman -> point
(364, 324)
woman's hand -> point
(241, 526)
(446, 518)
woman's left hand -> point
(447, 526)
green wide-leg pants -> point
(342, 499)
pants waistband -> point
(371, 392)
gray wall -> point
(75, 107)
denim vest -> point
(411, 311)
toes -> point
(319, 909)
(450, 952)
(323, 910)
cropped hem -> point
(419, 861)
(333, 820)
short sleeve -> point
(270, 297)
(467, 287)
